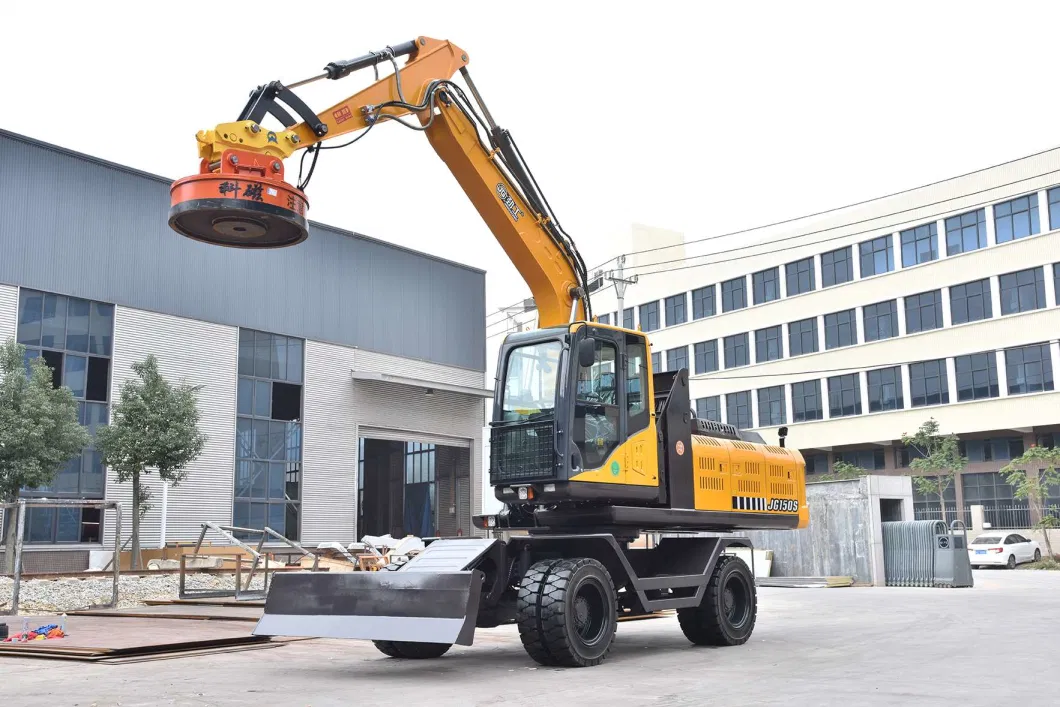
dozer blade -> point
(422, 607)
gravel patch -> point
(55, 595)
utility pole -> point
(617, 276)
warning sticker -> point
(342, 114)
(680, 447)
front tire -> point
(567, 612)
(726, 616)
(1011, 562)
(412, 650)
(1037, 555)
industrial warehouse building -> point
(341, 389)
(856, 326)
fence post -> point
(978, 516)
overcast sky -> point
(698, 117)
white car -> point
(1002, 549)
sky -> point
(696, 117)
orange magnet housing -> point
(242, 202)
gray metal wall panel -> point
(74, 225)
(201, 354)
(335, 409)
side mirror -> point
(587, 352)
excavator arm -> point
(240, 198)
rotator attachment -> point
(240, 201)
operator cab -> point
(567, 401)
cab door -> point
(599, 420)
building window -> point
(966, 232)
(649, 316)
(1056, 281)
(844, 395)
(881, 320)
(75, 338)
(991, 450)
(802, 337)
(738, 409)
(676, 310)
(269, 433)
(970, 302)
(799, 277)
(903, 456)
(806, 401)
(627, 318)
(767, 344)
(1022, 291)
(885, 389)
(656, 362)
(991, 491)
(766, 285)
(840, 329)
(1029, 369)
(867, 459)
(976, 376)
(1054, 208)
(706, 353)
(927, 507)
(677, 358)
(771, 406)
(816, 463)
(1016, 219)
(928, 384)
(736, 351)
(703, 304)
(604, 319)
(920, 244)
(877, 256)
(837, 267)
(923, 312)
(709, 408)
(734, 294)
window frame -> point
(920, 375)
(800, 411)
(649, 311)
(891, 316)
(917, 302)
(981, 372)
(735, 403)
(800, 272)
(838, 327)
(914, 238)
(837, 396)
(1024, 386)
(769, 399)
(1005, 210)
(1012, 286)
(709, 350)
(962, 300)
(765, 338)
(730, 295)
(801, 337)
(880, 244)
(701, 298)
(957, 231)
(703, 411)
(762, 282)
(830, 269)
(676, 309)
(737, 345)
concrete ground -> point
(993, 644)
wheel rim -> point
(736, 600)
(589, 612)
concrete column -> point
(824, 401)
(820, 332)
(995, 296)
(1050, 286)
(1054, 350)
(947, 320)
(856, 254)
(977, 518)
(859, 324)
(951, 378)
(782, 280)
(900, 307)
(907, 389)
(1043, 211)
(940, 225)
(754, 407)
(991, 237)
(1002, 374)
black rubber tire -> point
(411, 650)
(567, 612)
(1037, 555)
(1011, 562)
(726, 616)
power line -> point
(859, 367)
(840, 208)
(817, 242)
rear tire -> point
(726, 616)
(412, 650)
(1037, 555)
(567, 612)
(1012, 562)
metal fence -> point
(1002, 517)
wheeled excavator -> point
(591, 451)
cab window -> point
(596, 413)
(636, 384)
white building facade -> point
(854, 327)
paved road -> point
(855, 646)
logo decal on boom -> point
(508, 201)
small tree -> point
(154, 425)
(39, 431)
(939, 461)
(845, 470)
(1031, 475)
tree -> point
(39, 431)
(939, 461)
(1031, 475)
(841, 471)
(154, 425)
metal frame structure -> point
(20, 510)
(242, 592)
